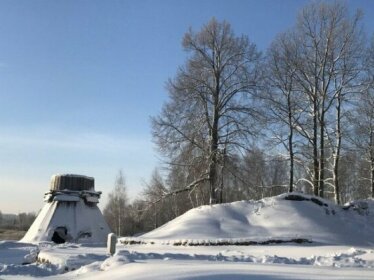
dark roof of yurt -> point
(72, 182)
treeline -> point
(21, 221)
(241, 124)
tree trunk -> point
(221, 190)
(214, 144)
(213, 168)
(315, 149)
(322, 155)
(155, 216)
(337, 152)
(222, 183)
(290, 143)
(372, 176)
(119, 218)
(372, 162)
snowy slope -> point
(277, 217)
(342, 247)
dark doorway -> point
(59, 235)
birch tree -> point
(328, 41)
(363, 138)
(115, 211)
(157, 207)
(210, 110)
(284, 99)
(363, 120)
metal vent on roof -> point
(72, 182)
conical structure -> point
(70, 213)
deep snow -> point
(315, 219)
(341, 247)
(206, 262)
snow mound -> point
(12, 252)
(284, 217)
(70, 256)
(364, 207)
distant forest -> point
(13, 227)
(242, 124)
(21, 221)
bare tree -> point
(155, 194)
(367, 105)
(25, 220)
(283, 97)
(254, 173)
(328, 44)
(115, 211)
(210, 108)
(363, 138)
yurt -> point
(70, 213)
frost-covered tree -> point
(367, 107)
(325, 66)
(362, 121)
(115, 211)
(210, 111)
(284, 98)
(158, 206)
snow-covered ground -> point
(281, 217)
(341, 246)
(206, 262)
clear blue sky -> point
(79, 80)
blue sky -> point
(80, 79)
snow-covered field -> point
(341, 246)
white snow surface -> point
(342, 246)
(206, 262)
(272, 218)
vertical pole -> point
(111, 244)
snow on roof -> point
(70, 214)
(83, 224)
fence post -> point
(111, 244)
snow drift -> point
(284, 217)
